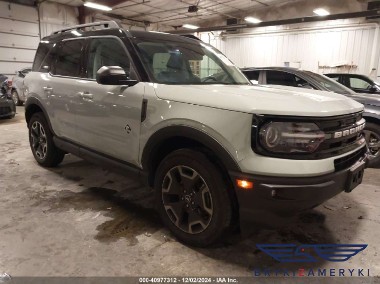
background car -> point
(4, 84)
(7, 106)
(18, 88)
(293, 77)
(356, 82)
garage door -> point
(19, 37)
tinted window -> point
(334, 77)
(253, 76)
(68, 61)
(358, 83)
(106, 52)
(280, 78)
(328, 83)
(42, 54)
(302, 83)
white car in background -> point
(18, 88)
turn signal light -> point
(244, 184)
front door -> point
(109, 117)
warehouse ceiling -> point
(176, 12)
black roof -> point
(56, 37)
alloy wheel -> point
(373, 142)
(15, 97)
(187, 199)
(39, 140)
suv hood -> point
(260, 99)
(367, 99)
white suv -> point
(177, 113)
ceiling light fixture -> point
(97, 6)
(75, 32)
(191, 27)
(252, 20)
(321, 12)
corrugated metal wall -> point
(308, 48)
(19, 31)
(19, 37)
(55, 16)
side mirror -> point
(113, 75)
(373, 89)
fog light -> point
(244, 184)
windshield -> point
(330, 84)
(184, 63)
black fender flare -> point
(201, 137)
(34, 101)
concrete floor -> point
(82, 220)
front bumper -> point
(7, 108)
(274, 199)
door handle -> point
(47, 89)
(86, 95)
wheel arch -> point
(32, 106)
(172, 138)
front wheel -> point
(41, 142)
(192, 198)
(372, 137)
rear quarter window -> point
(42, 54)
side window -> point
(280, 78)
(253, 76)
(42, 54)
(106, 52)
(358, 83)
(335, 78)
(302, 83)
(68, 62)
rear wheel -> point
(193, 198)
(41, 142)
(16, 98)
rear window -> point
(253, 76)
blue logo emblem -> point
(308, 253)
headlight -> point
(291, 137)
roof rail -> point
(104, 25)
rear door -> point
(109, 117)
(61, 87)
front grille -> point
(349, 160)
(344, 143)
(5, 110)
(332, 146)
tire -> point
(199, 185)
(41, 142)
(16, 98)
(372, 136)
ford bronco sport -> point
(177, 113)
